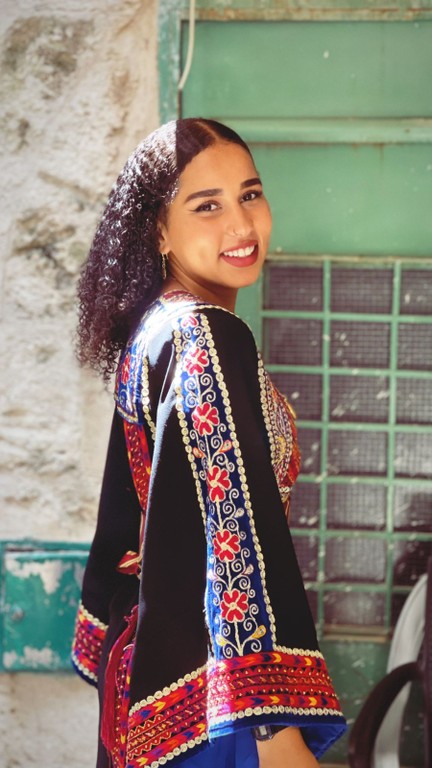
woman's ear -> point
(163, 238)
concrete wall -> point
(78, 91)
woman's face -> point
(217, 228)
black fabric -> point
(238, 358)
(105, 590)
(172, 637)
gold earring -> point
(164, 264)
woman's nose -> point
(240, 223)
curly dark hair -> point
(122, 274)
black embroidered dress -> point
(201, 460)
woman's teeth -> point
(240, 253)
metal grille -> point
(351, 347)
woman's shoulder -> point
(181, 319)
(178, 311)
(184, 312)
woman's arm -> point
(117, 532)
(264, 644)
(285, 749)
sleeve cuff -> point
(87, 645)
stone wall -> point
(78, 91)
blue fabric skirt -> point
(238, 750)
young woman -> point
(194, 623)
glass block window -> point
(300, 339)
(350, 345)
(355, 343)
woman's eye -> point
(253, 194)
(207, 207)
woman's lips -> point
(244, 256)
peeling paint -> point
(49, 571)
(32, 658)
(307, 10)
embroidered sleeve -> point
(238, 610)
(226, 429)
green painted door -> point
(337, 107)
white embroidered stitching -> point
(214, 437)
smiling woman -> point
(194, 622)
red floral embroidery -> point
(226, 545)
(218, 482)
(205, 418)
(189, 320)
(125, 371)
(196, 360)
(234, 605)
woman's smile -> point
(243, 255)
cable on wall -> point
(190, 49)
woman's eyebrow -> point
(204, 193)
(251, 182)
(212, 192)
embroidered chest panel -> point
(140, 465)
(282, 433)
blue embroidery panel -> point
(237, 607)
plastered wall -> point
(78, 91)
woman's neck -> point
(220, 297)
